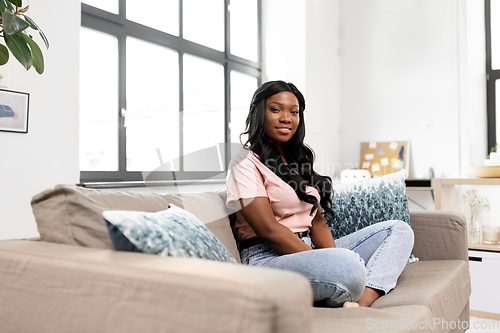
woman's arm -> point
(321, 235)
(259, 215)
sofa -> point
(72, 280)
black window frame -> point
(491, 77)
(117, 25)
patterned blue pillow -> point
(120, 242)
(172, 232)
(360, 204)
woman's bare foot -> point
(369, 296)
(350, 305)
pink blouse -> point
(249, 178)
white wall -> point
(48, 154)
(300, 45)
(406, 74)
(472, 85)
(283, 41)
(323, 82)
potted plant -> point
(494, 152)
(13, 28)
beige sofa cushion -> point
(73, 215)
(439, 235)
(442, 286)
(429, 294)
(357, 320)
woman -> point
(280, 201)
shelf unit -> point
(484, 259)
(444, 189)
(485, 247)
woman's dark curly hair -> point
(296, 152)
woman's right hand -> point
(259, 215)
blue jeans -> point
(372, 257)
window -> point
(492, 19)
(165, 90)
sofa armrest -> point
(439, 235)
(47, 287)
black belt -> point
(246, 243)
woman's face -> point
(281, 117)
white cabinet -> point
(484, 270)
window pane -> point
(203, 118)
(244, 32)
(495, 34)
(163, 16)
(152, 107)
(242, 89)
(108, 5)
(203, 22)
(98, 101)
(497, 109)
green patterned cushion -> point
(360, 204)
(172, 232)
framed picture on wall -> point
(14, 108)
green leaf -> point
(19, 48)
(17, 3)
(6, 4)
(4, 55)
(13, 24)
(30, 22)
(36, 54)
(34, 26)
